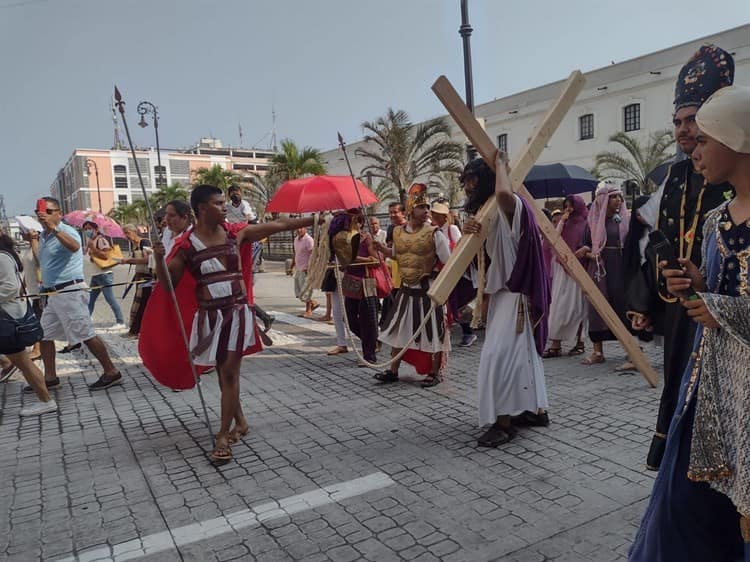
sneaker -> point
(48, 384)
(39, 408)
(468, 340)
(7, 372)
(105, 381)
(70, 348)
(118, 327)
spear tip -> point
(118, 96)
(341, 139)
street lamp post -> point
(144, 108)
(465, 32)
(89, 163)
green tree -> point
(638, 160)
(446, 185)
(168, 193)
(134, 212)
(216, 176)
(292, 163)
(405, 152)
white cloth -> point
(568, 307)
(241, 213)
(725, 116)
(30, 271)
(511, 375)
(10, 286)
(218, 290)
(338, 319)
(380, 236)
(66, 316)
(398, 333)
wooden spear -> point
(470, 244)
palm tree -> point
(216, 176)
(291, 163)
(262, 189)
(168, 193)
(134, 212)
(446, 185)
(639, 159)
(405, 152)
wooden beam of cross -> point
(471, 244)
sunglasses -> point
(48, 211)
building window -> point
(121, 182)
(120, 170)
(160, 181)
(632, 117)
(502, 142)
(122, 199)
(586, 126)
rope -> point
(476, 318)
(321, 254)
(95, 287)
(353, 342)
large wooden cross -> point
(470, 244)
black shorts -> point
(11, 351)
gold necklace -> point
(689, 236)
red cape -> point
(160, 344)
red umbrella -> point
(320, 193)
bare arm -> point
(255, 232)
(174, 269)
(503, 189)
(34, 243)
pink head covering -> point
(598, 217)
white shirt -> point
(241, 213)
(451, 232)
(380, 236)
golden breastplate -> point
(415, 253)
(346, 246)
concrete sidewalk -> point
(335, 467)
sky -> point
(323, 66)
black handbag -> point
(329, 281)
(18, 333)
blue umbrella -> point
(559, 180)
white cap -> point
(725, 116)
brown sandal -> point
(552, 352)
(236, 433)
(221, 453)
(578, 349)
(593, 359)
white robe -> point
(568, 307)
(511, 376)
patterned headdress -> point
(416, 196)
(708, 70)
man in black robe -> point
(683, 201)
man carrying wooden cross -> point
(510, 381)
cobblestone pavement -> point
(334, 468)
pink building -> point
(75, 185)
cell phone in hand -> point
(41, 205)
(665, 251)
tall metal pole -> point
(146, 107)
(465, 32)
(170, 286)
(89, 163)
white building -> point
(635, 96)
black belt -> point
(61, 286)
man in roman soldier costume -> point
(679, 210)
(215, 259)
(417, 247)
(699, 509)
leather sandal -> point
(431, 380)
(496, 436)
(386, 376)
(577, 349)
(552, 352)
(593, 359)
